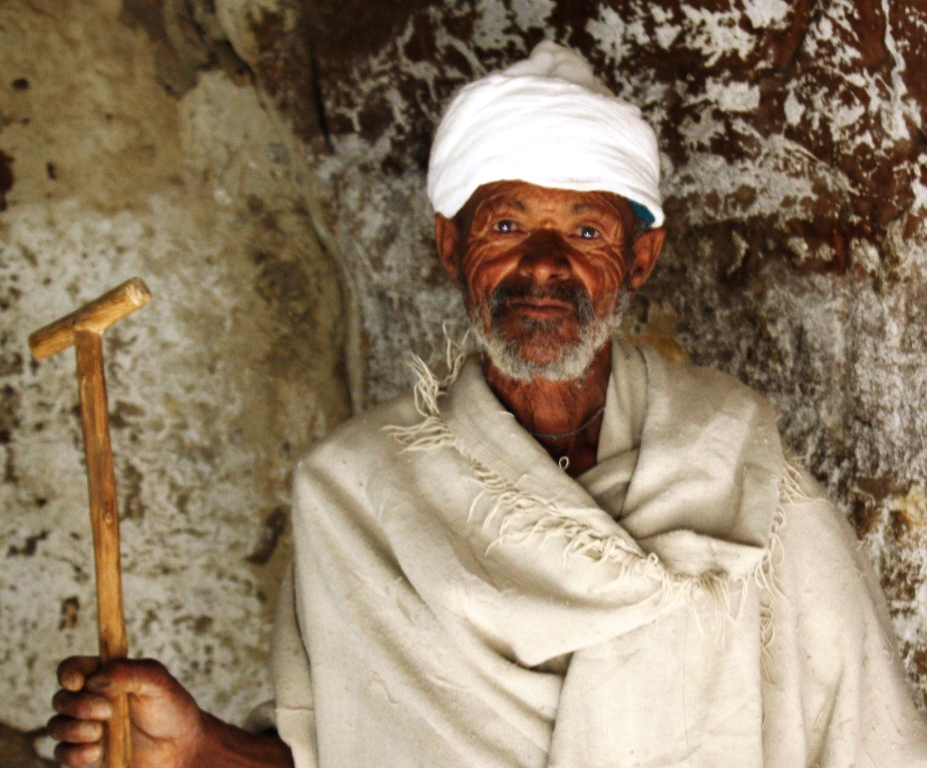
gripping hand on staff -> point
(169, 730)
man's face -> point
(543, 272)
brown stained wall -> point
(142, 137)
(793, 143)
(139, 144)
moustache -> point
(570, 293)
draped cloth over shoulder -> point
(460, 601)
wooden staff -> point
(84, 329)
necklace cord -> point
(580, 428)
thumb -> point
(142, 677)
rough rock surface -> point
(125, 153)
(793, 147)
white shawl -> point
(690, 601)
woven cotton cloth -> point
(458, 601)
(548, 121)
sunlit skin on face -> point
(540, 242)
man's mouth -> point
(540, 307)
(540, 303)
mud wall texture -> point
(133, 141)
(262, 164)
(793, 149)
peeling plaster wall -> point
(793, 148)
(135, 142)
(173, 142)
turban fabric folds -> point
(548, 121)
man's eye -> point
(588, 233)
(506, 225)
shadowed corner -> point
(17, 749)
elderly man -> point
(568, 552)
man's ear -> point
(647, 248)
(447, 237)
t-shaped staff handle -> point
(84, 329)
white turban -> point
(549, 121)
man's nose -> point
(545, 258)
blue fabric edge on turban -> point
(642, 212)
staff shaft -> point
(104, 517)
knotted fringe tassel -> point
(790, 492)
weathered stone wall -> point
(793, 147)
(135, 142)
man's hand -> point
(168, 728)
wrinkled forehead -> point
(524, 197)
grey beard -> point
(573, 359)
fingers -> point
(78, 723)
(79, 755)
(82, 705)
(80, 735)
(73, 672)
(62, 728)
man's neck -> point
(564, 416)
